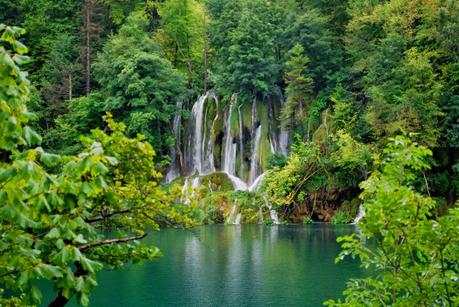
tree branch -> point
(9, 273)
(106, 215)
(111, 241)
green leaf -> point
(8, 212)
(100, 183)
(79, 283)
(80, 239)
(89, 265)
(99, 169)
(21, 59)
(51, 271)
(42, 202)
(50, 159)
(112, 160)
(83, 299)
(36, 294)
(84, 164)
(31, 136)
(53, 234)
(96, 149)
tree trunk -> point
(87, 12)
(70, 85)
(60, 300)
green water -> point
(247, 265)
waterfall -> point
(360, 215)
(194, 185)
(254, 161)
(238, 184)
(196, 182)
(209, 160)
(256, 183)
(283, 141)
(174, 171)
(233, 218)
(238, 219)
(283, 133)
(219, 140)
(274, 216)
(241, 141)
(199, 152)
(272, 129)
(260, 216)
(272, 212)
(185, 192)
(229, 156)
(197, 116)
(187, 196)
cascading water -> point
(283, 133)
(238, 219)
(237, 182)
(272, 213)
(197, 114)
(201, 155)
(233, 218)
(260, 216)
(241, 140)
(360, 215)
(174, 171)
(256, 183)
(254, 163)
(229, 155)
(185, 192)
(209, 160)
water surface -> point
(240, 265)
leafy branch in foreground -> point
(412, 258)
(55, 210)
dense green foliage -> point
(414, 258)
(53, 207)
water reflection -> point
(237, 265)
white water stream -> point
(272, 213)
(174, 171)
(360, 215)
(229, 155)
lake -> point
(233, 265)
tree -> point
(87, 31)
(138, 84)
(397, 68)
(310, 30)
(300, 86)
(252, 65)
(61, 71)
(53, 208)
(224, 20)
(414, 258)
(183, 35)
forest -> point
(119, 118)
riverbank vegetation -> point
(319, 110)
